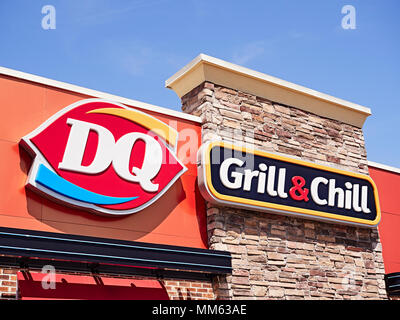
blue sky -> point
(129, 48)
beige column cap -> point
(206, 68)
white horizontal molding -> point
(206, 68)
(97, 94)
(383, 167)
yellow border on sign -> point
(263, 204)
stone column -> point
(276, 256)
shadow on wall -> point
(200, 213)
(70, 220)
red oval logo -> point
(103, 157)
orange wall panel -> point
(389, 228)
(177, 218)
(22, 108)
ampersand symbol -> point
(297, 192)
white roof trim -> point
(383, 167)
(97, 94)
(203, 59)
(262, 76)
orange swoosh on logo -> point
(163, 130)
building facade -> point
(179, 244)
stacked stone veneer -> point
(279, 257)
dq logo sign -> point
(235, 176)
(103, 157)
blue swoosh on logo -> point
(53, 181)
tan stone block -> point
(338, 280)
(289, 150)
(257, 258)
(246, 116)
(293, 259)
(240, 280)
(236, 248)
(309, 258)
(317, 272)
(290, 122)
(248, 241)
(227, 90)
(282, 284)
(232, 106)
(205, 92)
(231, 124)
(267, 107)
(251, 108)
(254, 252)
(292, 244)
(220, 95)
(231, 240)
(271, 276)
(219, 246)
(270, 118)
(259, 291)
(308, 246)
(275, 256)
(333, 125)
(276, 292)
(297, 265)
(306, 128)
(219, 232)
(294, 292)
(294, 142)
(282, 109)
(276, 262)
(231, 114)
(312, 119)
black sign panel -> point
(232, 175)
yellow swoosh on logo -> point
(163, 130)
